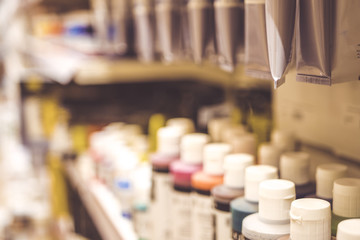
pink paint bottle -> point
(168, 151)
(190, 162)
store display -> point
(97, 156)
(273, 219)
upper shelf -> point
(56, 60)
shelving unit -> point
(60, 62)
(101, 206)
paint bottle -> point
(232, 130)
(349, 230)
(285, 141)
(310, 218)
(273, 220)
(185, 123)
(325, 176)
(202, 183)
(295, 166)
(269, 154)
(245, 143)
(243, 206)
(346, 201)
(141, 203)
(215, 128)
(168, 150)
(190, 162)
(233, 187)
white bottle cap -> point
(234, 166)
(216, 126)
(230, 131)
(295, 166)
(184, 123)
(275, 197)
(253, 176)
(214, 154)
(168, 140)
(245, 143)
(348, 229)
(346, 202)
(310, 219)
(285, 141)
(269, 154)
(326, 174)
(192, 147)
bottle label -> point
(202, 217)
(160, 205)
(222, 221)
(181, 215)
(142, 224)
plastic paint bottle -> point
(244, 206)
(202, 183)
(141, 213)
(216, 127)
(190, 162)
(346, 201)
(185, 123)
(325, 176)
(273, 220)
(285, 141)
(269, 154)
(245, 143)
(310, 218)
(349, 230)
(295, 166)
(168, 150)
(233, 187)
(232, 130)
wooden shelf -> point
(62, 63)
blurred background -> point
(88, 80)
